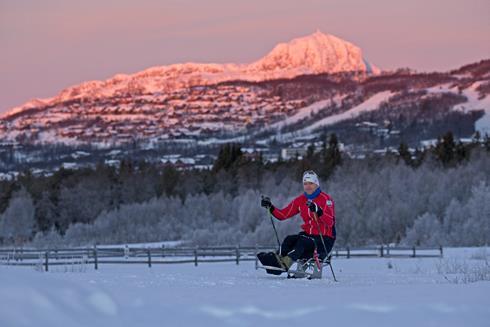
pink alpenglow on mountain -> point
(313, 54)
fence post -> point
(256, 259)
(46, 259)
(149, 257)
(195, 256)
(96, 263)
(388, 251)
(440, 249)
(348, 252)
(237, 254)
(126, 252)
(336, 253)
(413, 251)
(381, 251)
(163, 250)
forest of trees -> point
(440, 196)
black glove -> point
(266, 203)
(314, 208)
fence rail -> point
(44, 258)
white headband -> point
(311, 176)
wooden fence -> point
(44, 258)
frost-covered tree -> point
(83, 202)
(249, 211)
(49, 239)
(17, 223)
(426, 231)
(476, 228)
(377, 201)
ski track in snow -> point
(412, 293)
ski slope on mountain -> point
(370, 104)
(305, 112)
(370, 292)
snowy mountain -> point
(302, 88)
(313, 54)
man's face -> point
(309, 187)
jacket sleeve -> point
(290, 210)
(328, 216)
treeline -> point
(437, 196)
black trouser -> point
(302, 246)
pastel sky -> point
(47, 45)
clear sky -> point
(47, 45)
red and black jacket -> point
(326, 222)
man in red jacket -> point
(318, 212)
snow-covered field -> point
(370, 292)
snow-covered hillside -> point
(187, 104)
(313, 54)
(370, 292)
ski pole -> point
(320, 232)
(274, 227)
(275, 231)
(321, 235)
(315, 217)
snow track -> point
(420, 292)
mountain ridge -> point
(312, 54)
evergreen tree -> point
(310, 152)
(45, 212)
(168, 181)
(462, 152)
(405, 154)
(332, 157)
(445, 149)
(228, 155)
